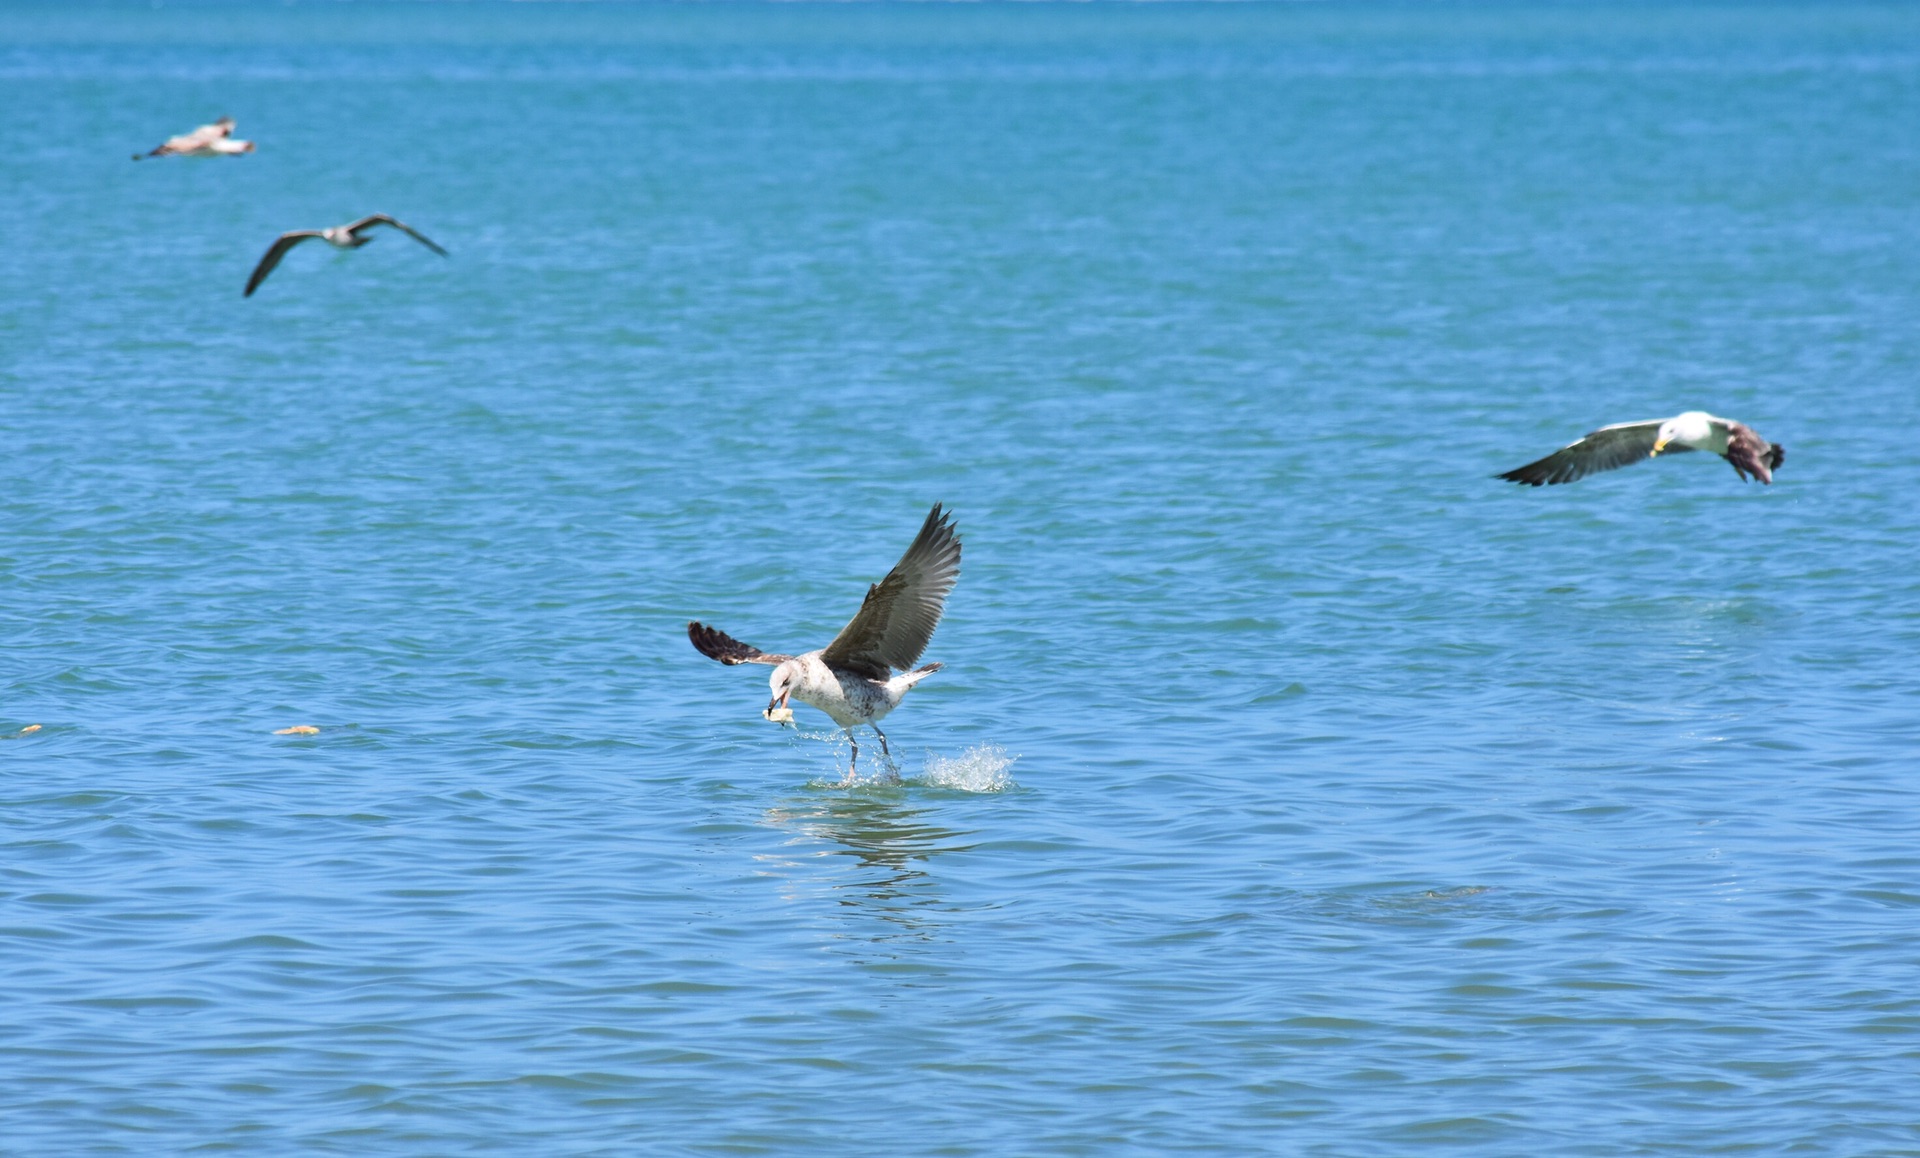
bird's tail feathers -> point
(917, 674)
(1776, 454)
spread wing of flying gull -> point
(352, 235)
(1625, 443)
(214, 140)
(851, 679)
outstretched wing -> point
(1752, 455)
(199, 138)
(382, 219)
(901, 611)
(274, 253)
(1607, 448)
(716, 644)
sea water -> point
(1291, 784)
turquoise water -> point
(1291, 786)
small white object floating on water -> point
(352, 235)
(1625, 443)
(214, 140)
(851, 679)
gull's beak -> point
(1658, 447)
(776, 703)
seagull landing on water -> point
(1625, 443)
(851, 679)
(352, 235)
(214, 140)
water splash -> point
(983, 768)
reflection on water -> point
(873, 848)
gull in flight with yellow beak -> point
(1625, 443)
(851, 679)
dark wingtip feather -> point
(708, 642)
(938, 519)
(1520, 475)
(716, 644)
(939, 533)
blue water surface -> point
(1291, 786)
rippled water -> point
(1291, 785)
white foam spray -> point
(983, 768)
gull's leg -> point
(853, 764)
(892, 769)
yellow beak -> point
(1658, 447)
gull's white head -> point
(1694, 428)
(782, 682)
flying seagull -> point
(1625, 443)
(851, 679)
(352, 235)
(214, 140)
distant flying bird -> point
(350, 236)
(214, 140)
(1625, 443)
(851, 679)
